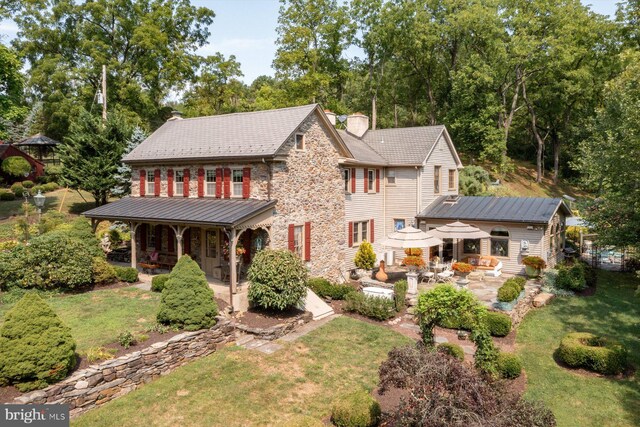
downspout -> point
(418, 196)
(269, 180)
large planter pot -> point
(531, 272)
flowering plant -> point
(462, 267)
(413, 261)
(240, 250)
(534, 262)
(413, 251)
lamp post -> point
(39, 200)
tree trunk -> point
(374, 112)
(536, 134)
(556, 157)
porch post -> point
(232, 261)
(178, 230)
(133, 227)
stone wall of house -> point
(308, 186)
(98, 384)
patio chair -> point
(446, 275)
(427, 276)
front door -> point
(212, 252)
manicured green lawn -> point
(576, 399)
(96, 318)
(237, 387)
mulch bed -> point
(256, 318)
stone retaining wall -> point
(100, 383)
(279, 330)
(523, 306)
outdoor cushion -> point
(484, 262)
(494, 262)
(473, 261)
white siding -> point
(361, 206)
(442, 156)
(401, 200)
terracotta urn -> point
(381, 275)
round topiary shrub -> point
(451, 349)
(278, 280)
(187, 301)
(509, 365)
(36, 348)
(357, 409)
(27, 184)
(508, 292)
(7, 195)
(499, 324)
(17, 189)
(303, 421)
(127, 274)
(16, 166)
(589, 351)
(103, 273)
(158, 282)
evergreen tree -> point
(123, 175)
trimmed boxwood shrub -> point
(17, 189)
(103, 272)
(187, 301)
(370, 306)
(589, 351)
(126, 274)
(453, 322)
(49, 186)
(7, 195)
(278, 280)
(509, 365)
(499, 324)
(357, 409)
(400, 293)
(451, 349)
(508, 292)
(36, 348)
(27, 184)
(158, 282)
(323, 288)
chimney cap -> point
(175, 115)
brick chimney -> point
(331, 116)
(357, 124)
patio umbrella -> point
(410, 237)
(459, 230)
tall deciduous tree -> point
(92, 152)
(12, 107)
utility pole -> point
(104, 93)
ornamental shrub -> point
(509, 365)
(16, 166)
(499, 324)
(126, 274)
(36, 348)
(158, 282)
(49, 186)
(17, 189)
(365, 257)
(463, 321)
(187, 301)
(323, 288)
(27, 184)
(451, 349)
(509, 291)
(357, 409)
(7, 195)
(103, 273)
(572, 277)
(278, 280)
(589, 351)
(534, 262)
(400, 293)
(377, 308)
(518, 280)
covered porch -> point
(221, 235)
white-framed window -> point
(436, 180)
(212, 244)
(371, 180)
(236, 182)
(452, 179)
(151, 183)
(179, 183)
(210, 180)
(300, 141)
(360, 230)
(346, 177)
(151, 236)
(471, 246)
(391, 177)
(500, 242)
(298, 240)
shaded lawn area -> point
(96, 318)
(238, 387)
(74, 203)
(577, 399)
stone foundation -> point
(103, 382)
(279, 330)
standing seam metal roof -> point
(499, 209)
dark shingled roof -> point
(223, 212)
(38, 140)
(360, 150)
(538, 210)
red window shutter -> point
(350, 234)
(246, 183)
(307, 241)
(353, 180)
(156, 182)
(219, 182)
(292, 246)
(158, 237)
(227, 183)
(186, 241)
(366, 180)
(143, 181)
(170, 183)
(377, 180)
(171, 240)
(200, 182)
(185, 185)
(143, 237)
(373, 230)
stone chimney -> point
(357, 124)
(175, 115)
(331, 116)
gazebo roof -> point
(38, 140)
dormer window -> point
(300, 141)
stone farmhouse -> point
(221, 188)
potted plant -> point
(413, 262)
(365, 259)
(533, 265)
(462, 268)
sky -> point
(247, 29)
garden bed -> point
(270, 325)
